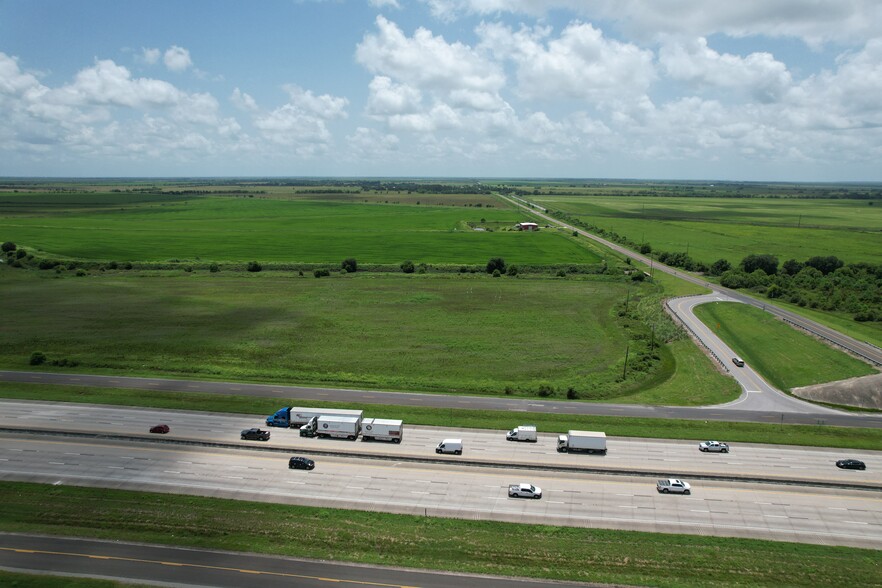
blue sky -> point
(789, 90)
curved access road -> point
(867, 351)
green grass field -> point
(446, 333)
(731, 228)
(156, 227)
(787, 358)
(484, 547)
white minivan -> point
(453, 446)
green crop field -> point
(447, 332)
(159, 227)
(731, 228)
(784, 356)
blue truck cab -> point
(281, 418)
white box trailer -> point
(587, 441)
(296, 416)
(347, 427)
(382, 430)
(522, 433)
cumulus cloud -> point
(243, 101)
(387, 98)
(150, 56)
(177, 59)
(758, 74)
(426, 60)
(302, 123)
(580, 63)
(384, 3)
(815, 22)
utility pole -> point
(625, 369)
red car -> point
(162, 429)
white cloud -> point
(324, 106)
(426, 60)
(815, 22)
(384, 3)
(177, 59)
(581, 63)
(302, 123)
(150, 56)
(758, 74)
(243, 101)
(387, 97)
(368, 144)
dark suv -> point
(255, 435)
(300, 463)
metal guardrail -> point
(695, 336)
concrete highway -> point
(663, 458)
(736, 509)
(182, 567)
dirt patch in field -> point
(863, 392)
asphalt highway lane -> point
(177, 566)
(300, 395)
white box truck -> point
(522, 433)
(382, 430)
(347, 427)
(587, 441)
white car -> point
(713, 446)
(674, 486)
(524, 491)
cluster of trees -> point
(822, 282)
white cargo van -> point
(453, 446)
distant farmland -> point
(731, 228)
(159, 227)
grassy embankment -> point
(562, 553)
(787, 358)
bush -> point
(47, 264)
(496, 263)
(81, 272)
(319, 273)
(561, 274)
(545, 391)
(496, 273)
(349, 265)
(112, 265)
(572, 394)
(8, 246)
(128, 265)
(407, 267)
(38, 358)
(20, 253)
(214, 268)
(253, 266)
(512, 270)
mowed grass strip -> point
(786, 357)
(448, 333)
(226, 229)
(457, 418)
(486, 547)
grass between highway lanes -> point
(783, 434)
(487, 547)
(788, 358)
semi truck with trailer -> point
(586, 441)
(295, 416)
(341, 427)
(382, 430)
(522, 433)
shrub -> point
(321, 273)
(188, 269)
(572, 394)
(81, 272)
(47, 264)
(349, 265)
(128, 265)
(214, 268)
(112, 265)
(495, 263)
(496, 273)
(545, 391)
(38, 358)
(561, 274)
(253, 266)
(512, 270)
(463, 269)
(8, 246)
(407, 267)
(20, 253)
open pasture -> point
(450, 333)
(148, 227)
(731, 228)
